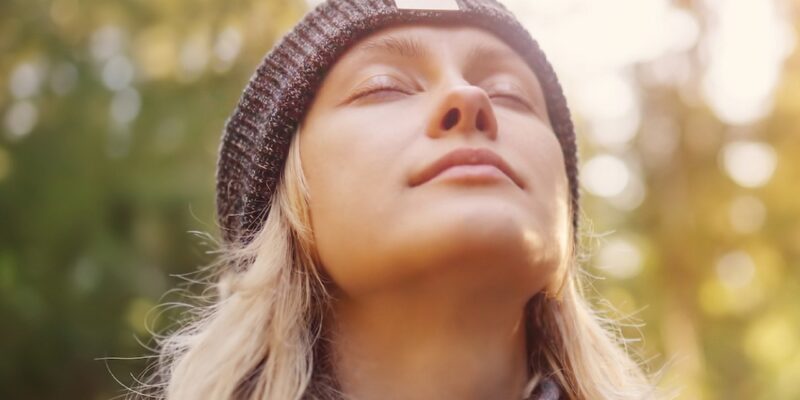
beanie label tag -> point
(449, 5)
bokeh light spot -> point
(125, 106)
(26, 80)
(771, 339)
(605, 175)
(620, 258)
(20, 119)
(107, 42)
(227, 47)
(735, 269)
(744, 64)
(749, 164)
(118, 73)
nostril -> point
(481, 121)
(451, 119)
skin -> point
(432, 279)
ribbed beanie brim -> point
(256, 140)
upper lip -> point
(466, 156)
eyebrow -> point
(397, 46)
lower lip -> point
(472, 174)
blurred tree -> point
(716, 238)
(112, 113)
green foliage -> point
(96, 211)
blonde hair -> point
(260, 334)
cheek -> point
(548, 191)
(558, 205)
(550, 188)
(353, 178)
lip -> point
(465, 156)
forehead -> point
(431, 41)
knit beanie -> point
(256, 138)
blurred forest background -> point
(688, 114)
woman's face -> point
(386, 210)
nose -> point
(464, 109)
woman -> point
(398, 197)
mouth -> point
(478, 158)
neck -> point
(430, 343)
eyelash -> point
(375, 88)
(513, 97)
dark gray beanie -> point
(256, 140)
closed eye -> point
(381, 88)
(514, 99)
(369, 91)
(508, 93)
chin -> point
(482, 219)
(481, 234)
(473, 243)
